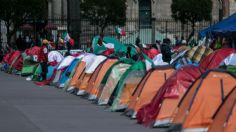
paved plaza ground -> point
(25, 107)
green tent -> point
(132, 76)
(124, 69)
(123, 64)
(29, 66)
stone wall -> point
(232, 6)
(162, 8)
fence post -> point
(153, 30)
(1, 34)
(166, 27)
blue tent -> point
(66, 74)
(227, 25)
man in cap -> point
(43, 58)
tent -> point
(54, 59)
(196, 110)
(225, 26)
(111, 80)
(224, 56)
(78, 71)
(224, 119)
(147, 89)
(88, 72)
(61, 68)
(15, 62)
(30, 62)
(126, 85)
(85, 59)
(169, 94)
(191, 56)
(66, 74)
(94, 83)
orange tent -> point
(197, 108)
(168, 97)
(79, 70)
(224, 120)
(148, 88)
(86, 75)
(93, 86)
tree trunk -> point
(182, 30)
(8, 35)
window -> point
(145, 13)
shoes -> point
(29, 78)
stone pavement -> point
(25, 107)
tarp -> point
(118, 46)
(90, 68)
(66, 62)
(55, 56)
(224, 26)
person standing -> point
(19, 43)
(166, 50)
(43, 58)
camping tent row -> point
(162, 96)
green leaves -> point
(104, 12)
(191, 10)
(15, 12)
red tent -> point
(215, 59)
(178, 83)
(33, 51)
(14, 55)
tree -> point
(104, 12)
(191, 11)
(15, 12)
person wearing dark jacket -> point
(166, 50)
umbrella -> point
(50, 26)
(27, 27)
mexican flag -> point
(67, 39)
(120, 31)
(148, 62)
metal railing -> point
(158, 30)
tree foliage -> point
(191, 11)
(15, 12)
(104, 12)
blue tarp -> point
(225, 26)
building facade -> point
(142, 12)
(57, 9)
(144, 9)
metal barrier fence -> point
(157, 30)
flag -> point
(68, 39)
(148, 62)
(120, 31)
